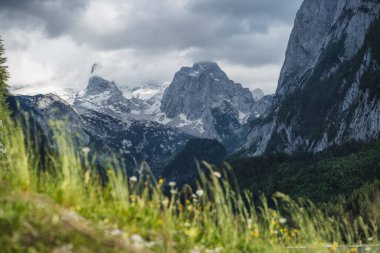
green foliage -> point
(185, 165)
(333, 177)
(4, 113)
(3, 75)
(69, 207)
(351, 165)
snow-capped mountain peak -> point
(103, 95)
(98, 85)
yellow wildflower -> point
(160, 222)
(191, 232)
(255, 234)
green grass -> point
(69, 208)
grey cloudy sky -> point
(55, 42)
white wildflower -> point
(200, 192)
(86, 150)
(133, 179)
(173, 191)
(172, 184)
(217, 174)
(282, 220)
(165, 202)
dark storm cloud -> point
(54, 16)
(260, 12)
(248, 32)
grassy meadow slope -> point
(67, 207)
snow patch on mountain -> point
(66, 94)
(144, 92)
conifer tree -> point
(4, 75)
(5, 119)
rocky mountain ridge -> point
(130, 122)
(328, 88)
(218, 113)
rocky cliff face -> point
(313, 22)
(203, 101)
(328, 91)
(197, 89)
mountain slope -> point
(331, 175)
(328, 89)
(183, 169)
(134, 141)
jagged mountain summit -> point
(105, 96)
(328, 92)
(194, 91)
(202, 101)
